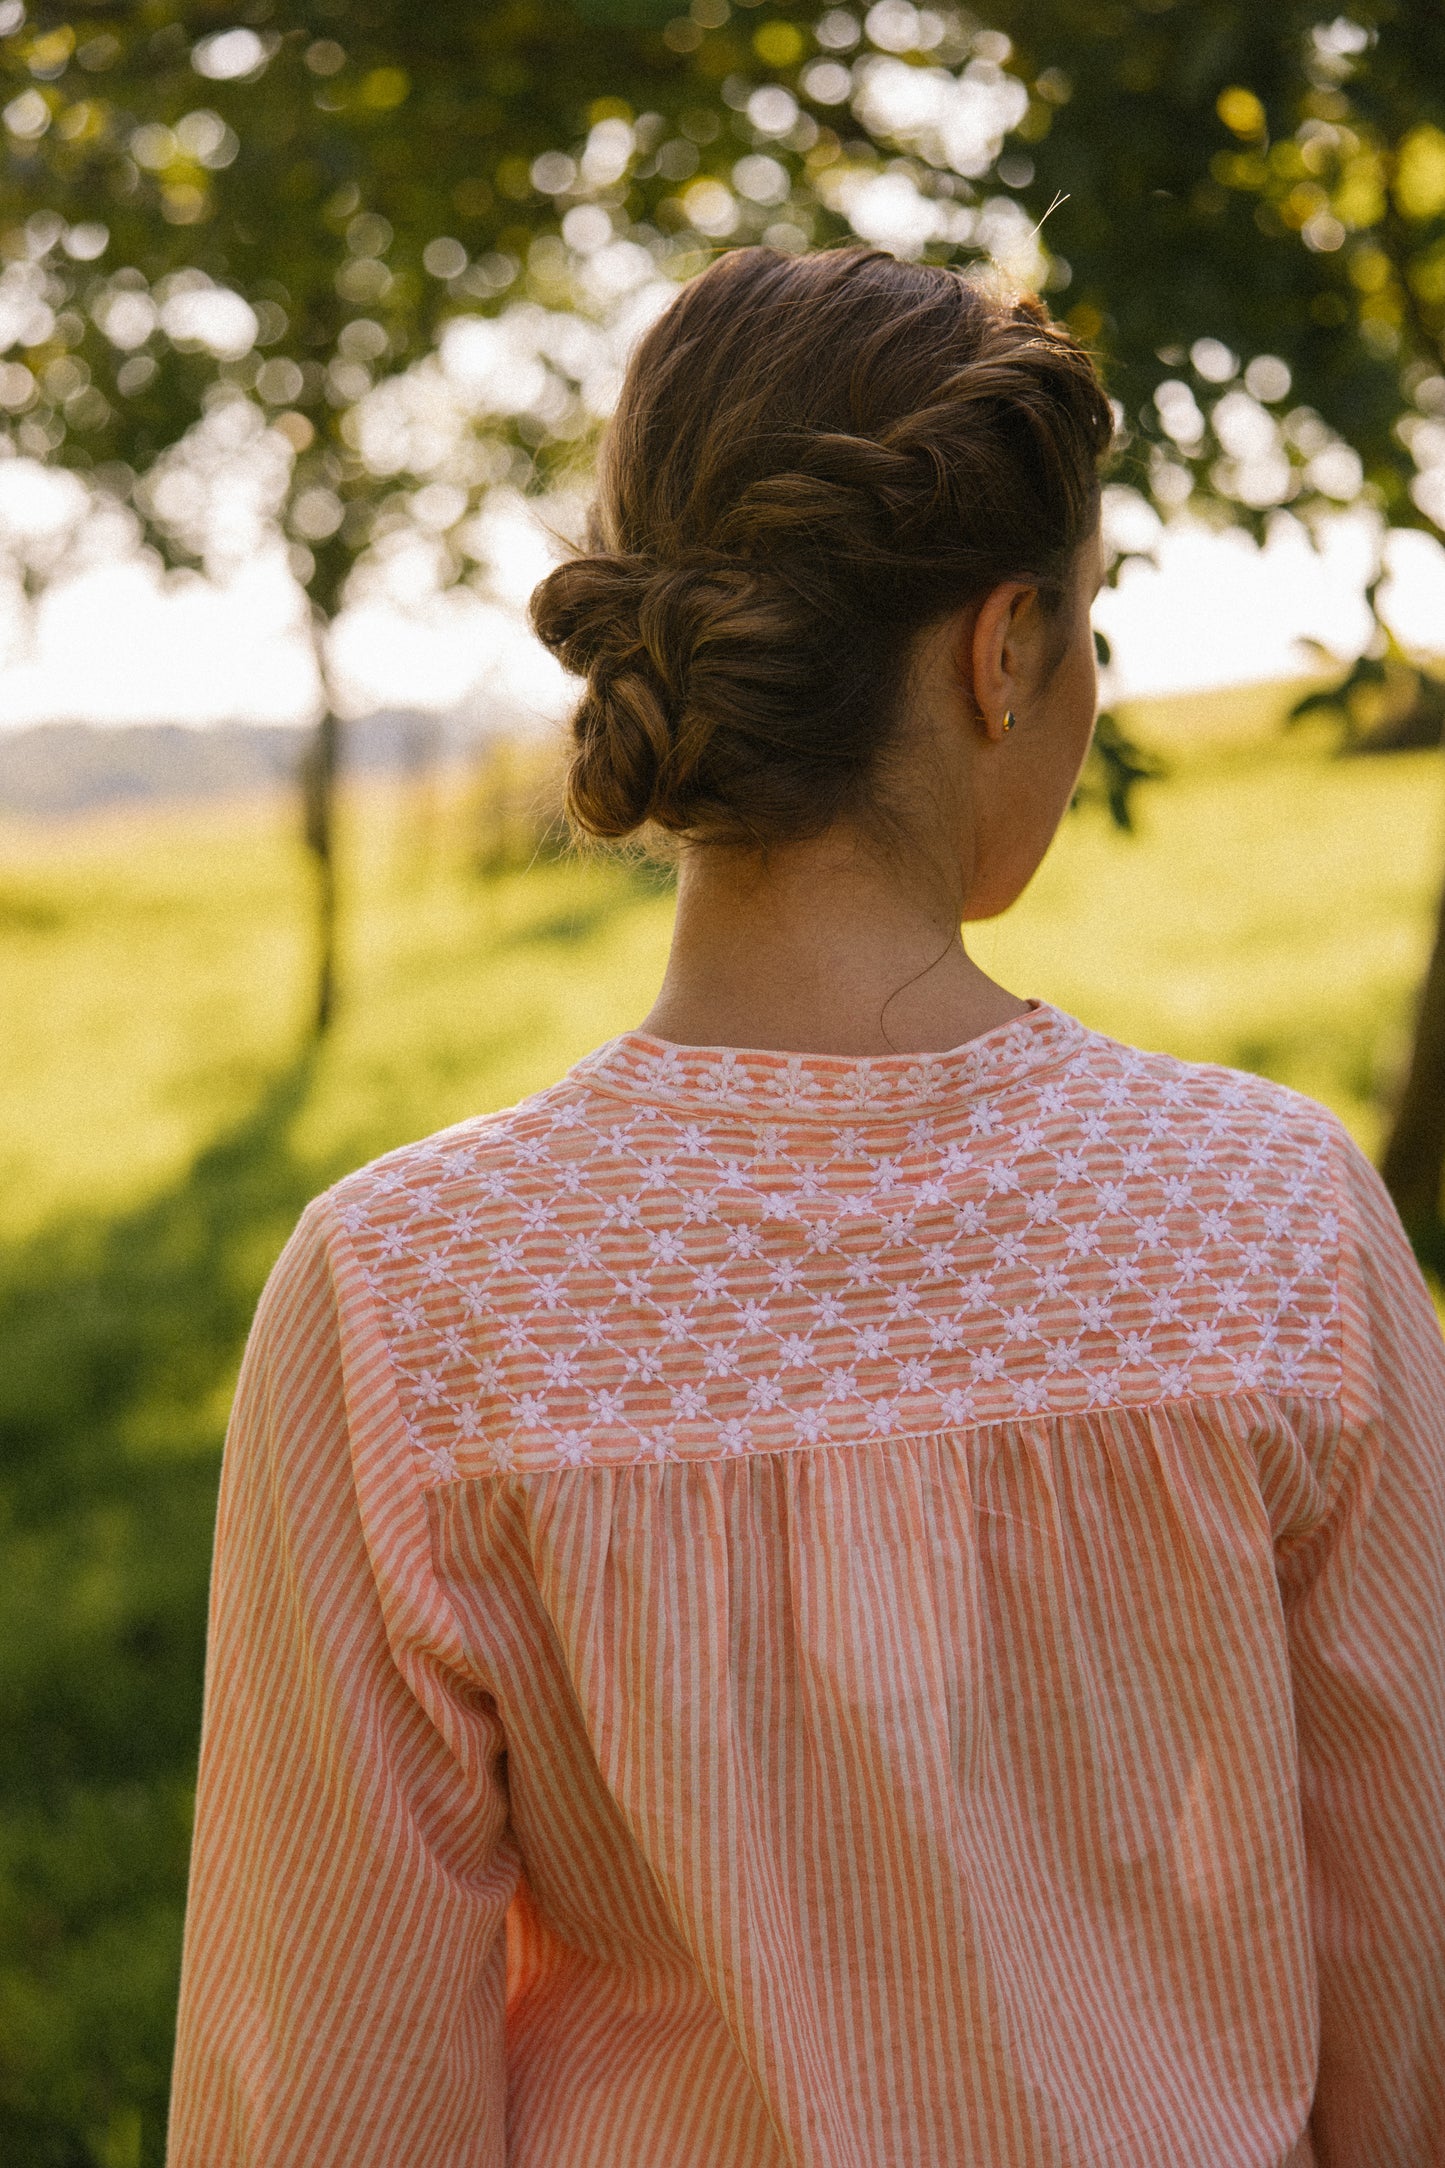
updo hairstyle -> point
(812, 459)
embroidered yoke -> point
(840, 1612)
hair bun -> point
(588, 613)
(583, 609)
(812, 459)
(670, 652)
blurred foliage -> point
(250, 251)
(249, 248)
(1258, 186)
(210, 206)
(1115, 768)
(270, 207)
(1116, 764)
(286, 200)
(1385, 703)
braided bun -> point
(811, 460)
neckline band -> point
(764, 1080)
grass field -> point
(162, 1121)
(1271, 911)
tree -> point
(265, 222)
(219, 233)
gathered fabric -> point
(809, 1611)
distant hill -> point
(52, 769)
(58, 768)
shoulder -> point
(1254, 1156)
(477, 1172)
(1227, 1172)
(1205, 1111)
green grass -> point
(1273, 912)
(159, 971)
(163, 1122)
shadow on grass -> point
(1427, 1239)
(120, 1342)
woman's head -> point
(814, 460)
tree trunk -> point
(318, 799)
(1414, 1156)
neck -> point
(824, 950)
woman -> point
(861, 1582)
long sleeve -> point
(1365, 1597)
(344, 1968)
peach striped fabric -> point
(849, 1613)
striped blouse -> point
(832, 1611)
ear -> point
(996, 653)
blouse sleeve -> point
(1365, 1598)
(344, 1965)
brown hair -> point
(813, 458)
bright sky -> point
(118, 646)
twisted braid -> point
(670, 652)
(811, 460)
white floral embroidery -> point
(689, 1252)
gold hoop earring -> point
(1009, 719)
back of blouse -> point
(856, 1613)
